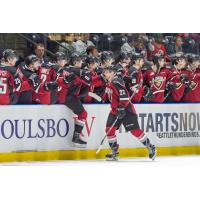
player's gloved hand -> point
(59, 73)
(86, 76)
(135, 88)
(127, 79)
(148, 95)
(69, 78)
(51, 86)
(34, 80)
(171, 86)
(99, 70)
(184, 78)
(121, 112)
(187, 89)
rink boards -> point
(43, 132)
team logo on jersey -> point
(158, 81)
(109, 92)
(45, 71)
(193, 85)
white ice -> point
(159, 161)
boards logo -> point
(88, 127)
(28, 128)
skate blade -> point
(153, 158)
(112, 159)
(81, 146)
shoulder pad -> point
(132, 70)
(118, 81)
(12, 70)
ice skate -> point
(78, 142)
(113, 156)
(152, 151)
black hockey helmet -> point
(106, 55)
(75, 58)
(91, 60)
(157, 57)
(31, 59)
(192, 58)
(123, 56)
(60, 56)
(9, 54)
(111, 68)
(137, 56)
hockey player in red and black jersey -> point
(158, 80)
(9, 81)
(134, 78)
(98, 82)
(192, 88)
(29, 78)
(47, 73)
(74, 85)
(176, 81)
(123, 63)
(122, 112)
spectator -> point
(157, 47)
(177, 47)
(39, 52)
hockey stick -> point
(94, 96)
(136, 91)
(102, 141)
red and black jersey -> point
(97, 86)
(192, 91)
(24, 73)
(118, 95)
(135, 84)
(47, 72)
(74, 82)
(158, 84)
(176, 93)
(9, 83)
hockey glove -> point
(171, 86)
(135, 88)
(69, 78)
(184, 78)
(86, 76)
(34, 80)
(121, 112)
(148, 94)
(51, 86)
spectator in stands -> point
(157, 47)
(177, 47)
(39, 52)
(140, 48)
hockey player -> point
(73, 83)
(192, 89)
(9, 81)
(122, 66)
(122, 112)
(154, 92)
(47, 73)
(106, 59)
(134, 78)
(29, 78)
(176, 81)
